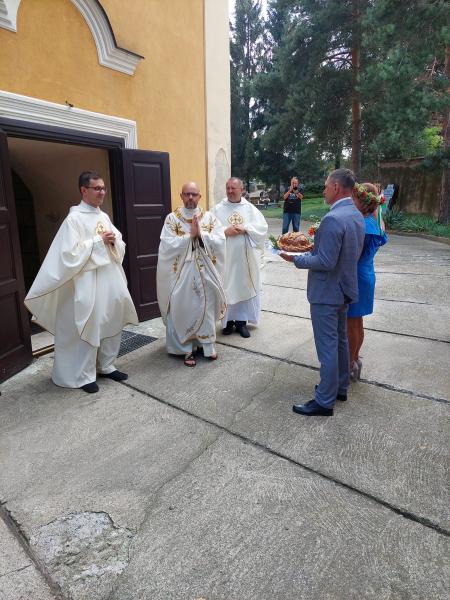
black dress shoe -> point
(228, 330)
(115, 375)
(241, 328)
(311, 409)
(90, 388)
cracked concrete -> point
(201, 483)
(83, 553)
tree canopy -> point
(298, 70)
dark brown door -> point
(15, 342)
(145, 194)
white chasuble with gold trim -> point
(78, 256)
(244, 252)
(189, 275)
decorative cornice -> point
(109, 53)
(8, 14)
(24, 108)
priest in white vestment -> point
(245, 230)
(80, 294)
(191, 261)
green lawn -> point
(312, 209)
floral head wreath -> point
(368, 197)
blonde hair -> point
(369, 204)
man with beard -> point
(191, 261)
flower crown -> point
(368, 197)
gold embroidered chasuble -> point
(189, 275)
(244, 252)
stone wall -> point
(419, 189)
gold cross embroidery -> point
(235, 219)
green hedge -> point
(397, 220)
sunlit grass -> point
(312, 209)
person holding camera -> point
(292, 209)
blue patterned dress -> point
(373, 239)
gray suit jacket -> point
(338, 243)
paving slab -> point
(388, 444)
(201, 483)
(429, 289)
(19, 578)
(403, 287)
(417, 320)
(66, 451)
(414, 255)
(26, 584)
(241, 524)
(119, 453)
(403, 363)
(13, 557)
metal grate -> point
(132, 341)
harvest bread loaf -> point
(294, 242)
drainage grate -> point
(132, 341)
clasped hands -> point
(195, 227)
(234, 230)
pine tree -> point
(247, 55)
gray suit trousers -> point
(329, 323)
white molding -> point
(109, 54)
(8, 14)
(34, 110)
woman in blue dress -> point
(367, 200)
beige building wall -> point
(217, 78)
(52, 56)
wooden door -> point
(15, 342)
(140, 206)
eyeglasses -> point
(193, 194)
(98, 188)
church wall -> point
(217, 78)
(52, 56)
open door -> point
(15, 342)
(144, 188)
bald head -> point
(235, 189)
(190, 194)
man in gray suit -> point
(332, 286)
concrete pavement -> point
(202, 483)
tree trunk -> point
(356, 100)
(337, 158)
(444, 204)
